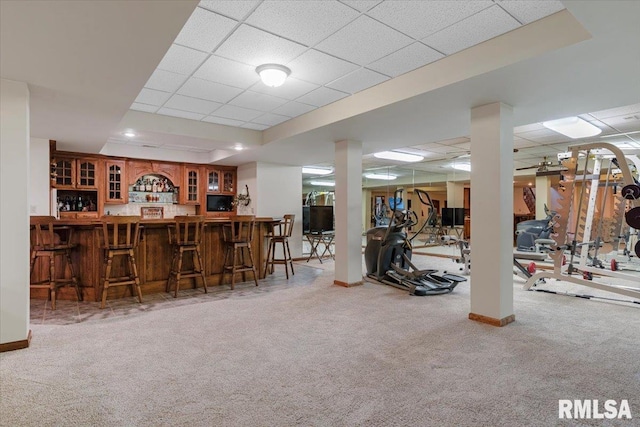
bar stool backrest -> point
(47, 235)
(240, 229)
(188, 230)
(287, 225)
(121, 232)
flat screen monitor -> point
(397, 202)
(320, 219)
(219, 203)
(452, 217)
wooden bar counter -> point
(153, 258)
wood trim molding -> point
(16, 345)
(347, 285)
(492, 321)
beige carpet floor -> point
(315, 354)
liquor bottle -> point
(79, 205)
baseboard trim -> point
(347, 285)
(16, 345)
(491, 320)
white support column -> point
(543, 195)
(455, 194)
(14, 215)
(366, 210)
(492, 214)
(348, 208)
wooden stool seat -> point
(185, 236)
(238, 237)
(280, 234)
(50, 241)
(121, 235)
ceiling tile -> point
(257, 101)
(204, 30)
(179, 113)
(318, 67)
(419, 19)
(226, 71)
(165, 81)
(628, 110)
(237, 113)
(291, 89)
(361, 5)
(182, 60)
(223, 121)
(194, 105)
(306, 22)
(363, 41)
(406, 59)
(528, 128)
(480, 27)
(236, 9)
(294, 109)
(152, 97)
(256, 47)
(254, 126)
(211, 91)
(357, 81)
(270, 119)
(143, 107)
(322, 96)
(529, 11)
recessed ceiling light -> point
(129, 134)
(380, 176)
(396, 155)
(238, 148)
(462, 166)
(316, 171)
(573, 127)
(323, 183)
(273, 75)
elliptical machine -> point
(388, 254)
(528, 232)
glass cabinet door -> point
(214, 181)
(227, 182)
(64, 173)
(192, 186)
(86, 174)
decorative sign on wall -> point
(152, 212)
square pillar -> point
(543, 195)
(455, 194)
(14, 215)
(348, 209)
(492, 214)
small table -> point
(315, 239)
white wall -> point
(39, 176)
(14, 211)
(247, 176)
(279, 192)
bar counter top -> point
(153, 258)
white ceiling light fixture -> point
(316, 171)
(380, 176)
(399, 156)
(573, 127)
(238, 147)
(273, 75)
(323, 183)
(129, 134)
(462, 166)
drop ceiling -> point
(333, 48)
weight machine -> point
(627, 208)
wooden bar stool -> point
(121, 235)
(280, 234)
(185, 236)
(238, 236)
(49, 240)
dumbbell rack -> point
(582, 211)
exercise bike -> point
(388, 254)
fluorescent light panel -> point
(323, 183)
(380, 176)
(396, 155)
(573, 127)
(316, 171)
(462, 166)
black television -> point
(219, 203)
(452, 217)
(320, 219)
